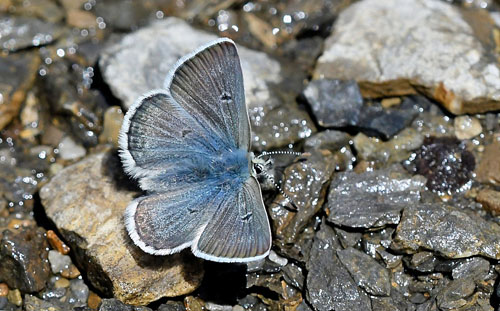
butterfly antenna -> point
(279, 152)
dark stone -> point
(372, 199)
(294, 275)
(446, 230)
(335, 103)
(386, 122)
(347, 238)
(305, 182)
(172, 306)
(395, 302)
(329, 139)
(366, 271)
(329, 285)
(19, 32)
(24, 258)
(455, 295)
(475, 269)
(422, 262)
(250, 302)
(116, 305)
(445, 162)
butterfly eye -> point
(225, 96)
(258, 168)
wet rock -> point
(56, 243)
(294, 275)
(329, 285)
(79, 293)
(397, 149)
(116, 305)
(386, 63)
(367, 272)
(348, 239)
(445, 162)
(423, 262)
(372, 199)
(152, 51)
(386, 122)
(329, 139)
(17, 74)
(475, 269)
(70, 150)
(19, 32)
(454, 295)
(490, 199)
(136, 277)
(335, 103)
(32, 303)
(23, 254)
(488, 170)
(447, 231)
(58, 261)
(172, 306)
(305, 182)
(113, 118)
(467, 127)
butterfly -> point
(189, 147)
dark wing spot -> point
(184, 133)
(225, 96)
(246, 217)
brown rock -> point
(488, 170)
(71, 272)
(94, 300)
(17, 74)
(86, 201)
(80, 19)
(56, 243)
(4, 289)
(490, 199)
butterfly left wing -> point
(208, 84)
(238, 230)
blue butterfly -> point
(188, 145)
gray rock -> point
(446, 230)
(79, 292)
(475, 269)
(19, 32)
(386, 122)
(397, 47)
(372, 199)
(23, 254)
(150, 52)
(32, 303)
(454, 296)
(366, 271)
(329, 139)
(294, 275)
(172, 306)
(58, 261)
(335, 103)
(423, 262)
(97, 189)
(329, 284)
(116, 305)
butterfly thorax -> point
(231, 166)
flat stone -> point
(86, 201)
(467, 127)
(490, 199)
(151, 52)
(329, 284)
(23, 254)
(372, 199)
(395, 47)
(305, 182)
(447, 231)
(19, 32)
(335, 103)
(455, 295)
(366, 271)
(488, 170)
(17, 75)
(328, 139)
(475, 269)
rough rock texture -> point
(329, 285)
(23, 258)
(488, 170)
(86, 201)
(447, 231)
(490, 199)
(150, 52)
(372, 199)
(399, 47)
(366, 271)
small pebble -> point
(71, 272)
(4, 290)
(80, 290)
(70, 150)
(390, 102)
(94, 300)
(14, 297)
(467, 127)
(194, 304)
(113, 119)
(58, 261)
(56, 243)
(62, 283)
